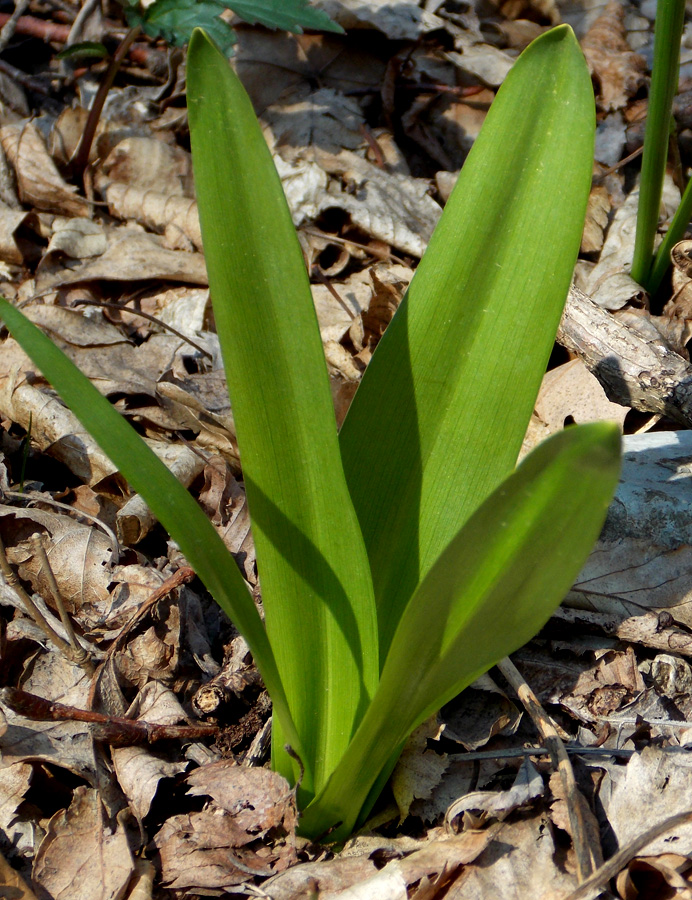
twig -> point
(142, 315)
(584, 854)
(81, 157)
(594, 883)
(10, 26)
(116, 730)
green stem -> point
(670, 19)
(675, 233)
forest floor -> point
(499, 796)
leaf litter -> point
(134, 724)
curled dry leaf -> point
(39, 184)
(476, 808)
(164, 213)
(619, 72)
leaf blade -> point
(314, 571)
(526, 542)
(419, 443)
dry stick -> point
(79, 654)
(9, 28)
(582, 848)
(36, 615)
(594, 883)
(81, 158)
(142, 315)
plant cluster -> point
(402, 557)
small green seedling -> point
(402, 557)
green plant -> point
(403, 557)
(648, 269)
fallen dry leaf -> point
(83, 856)
(39, 184)
(619, 72)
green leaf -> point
(174, 21)
(492, 588)
(290, 15)
(83, 49)
(440, 415)
(169, 501)
(316, 585)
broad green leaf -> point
(170, 502)
(175, 20)
(492, 588)
(440, 415)
(291, 15)
(316, 585)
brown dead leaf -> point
(170, 214)
(522, 862)
(78, 554)
(83, 856)
(39, 183)
(141, 770)
(68, 745)
(597, 211)
(569, 394)
(11, 220)
(130, 255)
(619, 71)
(149, 164)
(223, 499)
(227, 843)
(656, 784)
(475, 809)
(12, 885)
(418, 770)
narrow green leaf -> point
(491, 590)
(316, 585)
(168, 499)
(440, 415)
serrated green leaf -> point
(168, 499)
(174, 21)
(290, 15)
(316, 585)
(440, 415)
(491, 589)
